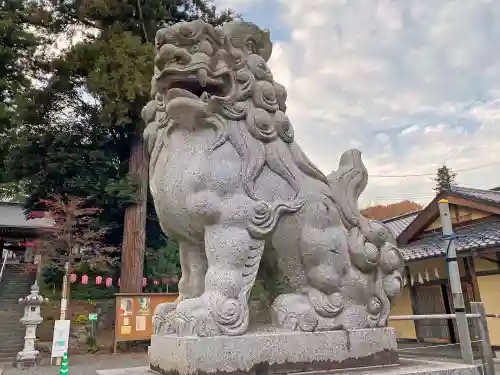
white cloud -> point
(238, 5)
(412, 83)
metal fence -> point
(480, 339)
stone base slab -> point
(406, 367)
(27, 359)
(273, 352)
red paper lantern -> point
(98, 280)
(72, 277)
(85, 279)
(109, 282)
(156, 282)
(144, 281)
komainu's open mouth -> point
(197, 84)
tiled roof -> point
(399, 223)
(12, 216)
(471, 237)
(490, 196)
(476, 235)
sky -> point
(413, 84)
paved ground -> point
(440, 353)
(84, 364)
(89, 364)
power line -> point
(405, 197)
(433, 174)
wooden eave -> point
(431, 212)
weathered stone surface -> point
(406, 367)
(273, 351)
(230, 184)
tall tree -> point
(445, 177)
(18, 68)
(86, 117)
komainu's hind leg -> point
(321, 244)
(348, 280)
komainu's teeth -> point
(205, 97)
(202, 76)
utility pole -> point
(64, 300)
(455, 284)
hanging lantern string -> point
(108, 281)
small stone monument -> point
(29, 356)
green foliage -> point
(92, 292)
(123, 190)
(73, 131)
(17, 68)
(81, 319)
(445, 177)
(163, 262)
(51, 282)
(13, 191)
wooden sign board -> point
(134, 315)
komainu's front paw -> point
(192, 317)
(208, 315)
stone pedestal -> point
(406, 367)
(27, 359)
(273, 352)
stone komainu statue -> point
(232, 186)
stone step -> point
(10, 306)
(9, 317)
(15, 348)
(11, 350)
(13, 340)
(13, 330)
(10, 303)
(12, 333)
(15, 293)
(12, 336)
(6, 344)
(14, 287)
(14, 326)
(7, 359)
(14, 309)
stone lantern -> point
(29, 356)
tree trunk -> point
(134, 235)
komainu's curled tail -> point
(372, 247)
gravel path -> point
(84, 364)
